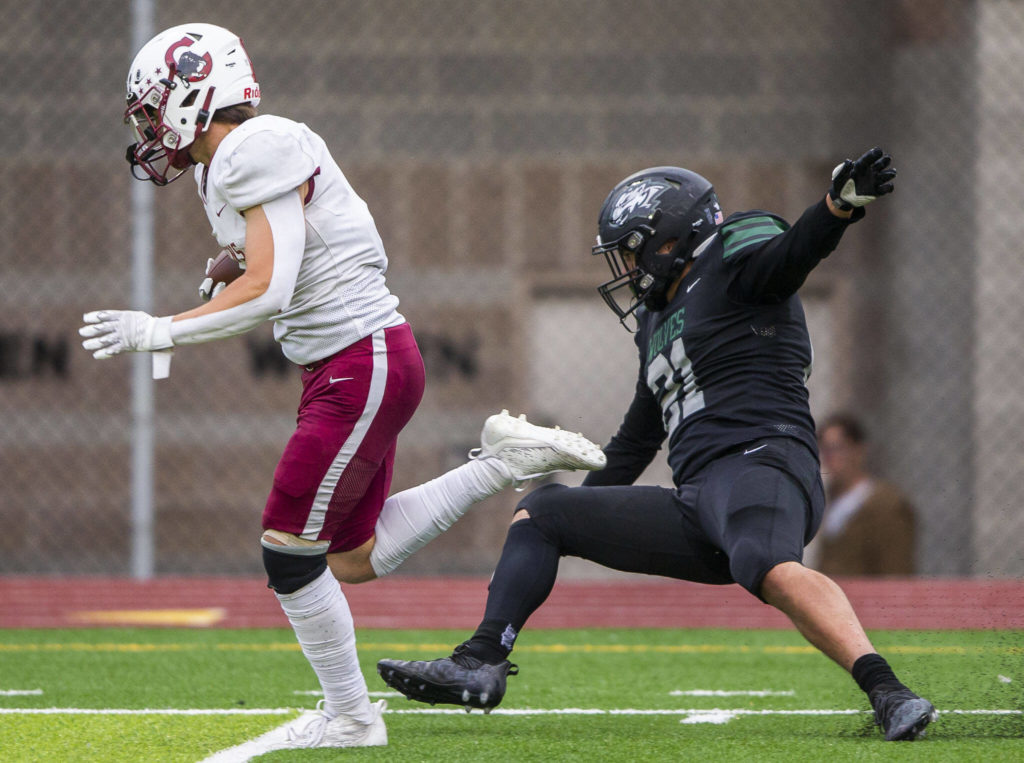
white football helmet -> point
(175, 84)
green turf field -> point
(595, 695)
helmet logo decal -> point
(635, 198)
(189, 66)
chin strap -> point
(654, 297)
(203, 120)
(180, 158)
(679, 257)
(668, 267)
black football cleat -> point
(457, 680)
(902, 714)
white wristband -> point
(160, 334)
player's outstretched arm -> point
(275, 242)
(772, 268)
(110, 332)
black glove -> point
(855, 184)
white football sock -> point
(320, 616)
(411, 519)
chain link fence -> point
(484, 135)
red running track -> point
(410, 602)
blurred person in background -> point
(868, 527)
(724, 354)
(312, 262)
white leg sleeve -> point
(320, 616)
(411, 519)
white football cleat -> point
(317, 729)
(311, 729)
(530, 451)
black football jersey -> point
(726, 361)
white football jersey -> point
(340, 295)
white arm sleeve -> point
(288, 229)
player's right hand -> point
(111, 332)
(857, 183)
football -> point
(220, 271)
(224, 268)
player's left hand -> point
(857, 183)
(111, 332)
(208, 289)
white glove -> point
(208, 290)
(111, 332)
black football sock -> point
(522, 581)
(871, 670)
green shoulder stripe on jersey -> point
(747, 232)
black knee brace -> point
(287, 573)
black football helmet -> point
(640, 215)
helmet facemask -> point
(630, 285)
(156, 147)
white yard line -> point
(723, 693)
(319, 693)
(147, 711)
(282, 646)
(461, 711)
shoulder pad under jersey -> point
(263, 162)
(748, 229)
